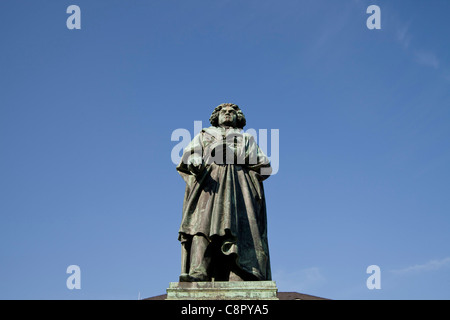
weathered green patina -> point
(223, 230)
(236, 290)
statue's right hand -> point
(195, 164)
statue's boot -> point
(200, 259)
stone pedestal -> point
(223, 290)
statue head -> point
(229, 115)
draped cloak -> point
(225, 201)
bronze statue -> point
(223, 231)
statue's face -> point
(227, 117)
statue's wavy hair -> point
(240, 121)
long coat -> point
(225, 201)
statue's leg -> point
(200, 259)
(184, 261)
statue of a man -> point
(223, 231)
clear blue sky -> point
(86, 118)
